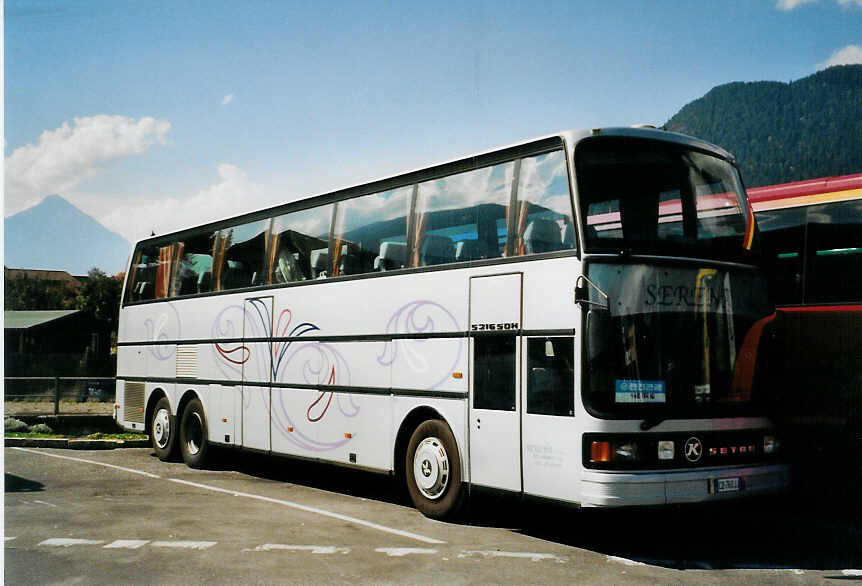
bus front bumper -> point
(617, 489)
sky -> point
(153, 116)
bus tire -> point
(163, 431)
(194, 443)
(433, 470)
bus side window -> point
(462, 217)
(363, 224)
(544, 207)
(194, 271)
(782, 241)
(834, 249)
(551, 376)
(494, 373)
(142, 280)
(244, 261)
(299, 245)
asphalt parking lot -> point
(121, 516)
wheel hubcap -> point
(162, 428)
(194, 434)
(431, 468)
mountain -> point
(781, 132)
(56, 235)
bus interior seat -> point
(542, 236)
(286, 269)
(319, 263)
(350, 260)
(188, 283)
(205, 282)
(471, 250)
(435, 250)
(393, 255)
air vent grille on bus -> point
(133, 402)
(187, 361)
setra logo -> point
(693, 449)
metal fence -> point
(59, 394)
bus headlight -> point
(614, 451)
(626, 452)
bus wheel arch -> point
(161, 425)
(193, 437)
(430, 464)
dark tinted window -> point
(656, 197)
(834, 253)
(782, 240)
(241, 256)
(494, 373)
(551, 376)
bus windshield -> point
(674, 341)
(643, 196)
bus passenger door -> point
(495, 404)
(257, 373)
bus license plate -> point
(727, 485)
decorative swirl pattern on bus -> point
(165, 326)
(422, 317)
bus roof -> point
(808, 192)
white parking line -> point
(321, 549)
(69, 541)
(307, 509)
(9, 538)
(184, 544)
(32, 451)
(536, 557)
(314, 510)
(44, 503)
(397, 552)
(127, 544)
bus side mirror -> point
(597, 332)
(582, 294)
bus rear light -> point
(348, 435)
(665, 450)
(600, 452)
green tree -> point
(23, 293)
(99, 296)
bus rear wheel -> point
(163, 431)
(194, 444)
(433, 470)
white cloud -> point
(788, 5)
(227, 100)
(70, 155)
(849, 55)
(234, 194)
(850, 3)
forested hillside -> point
(783, 132)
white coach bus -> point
(573, 318)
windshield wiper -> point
(651, 422)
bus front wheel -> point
(193, 435)
(433, 470)
(163, 432)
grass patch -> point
(104, 436)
